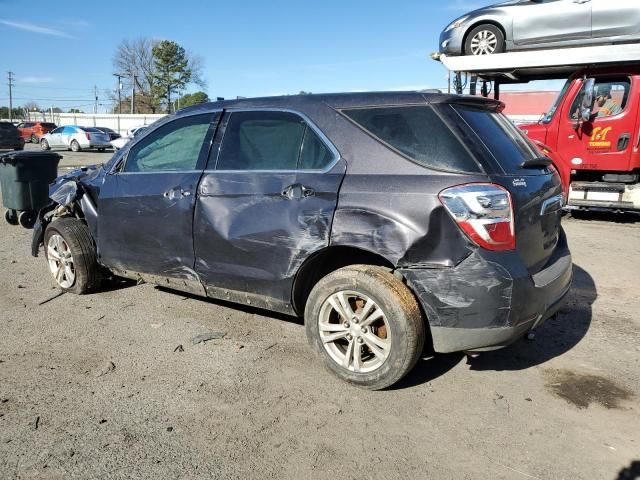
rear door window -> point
(261, 140)
(315, 153)
(417, 133)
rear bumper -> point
(489, 300)
(604, 196)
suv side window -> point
(261, 140)
(175, 146)
(612, 95)
(315, 154)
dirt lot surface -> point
(110, 386)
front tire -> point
(75, 146)
(44, 145)
(71, 255)
(484, 40)
(365, 325)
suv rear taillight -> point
(88, 135)
(484, 211)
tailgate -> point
(537, 206)
(536, 193)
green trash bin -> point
(24, 178)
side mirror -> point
(588, 99)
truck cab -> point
(594, 145)
(597, 155)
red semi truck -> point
(592, 132)
(598, 155)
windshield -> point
(552, 111)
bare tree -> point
(134, 59)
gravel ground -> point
(110, 385)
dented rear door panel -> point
(251, 237)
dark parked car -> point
(530, 24)
(113, 135)
(385, 219)
(10, 137)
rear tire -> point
(387, 348)
(75, 146)
(44, 145)
(34, 138)
(484, 40)
(70, 250)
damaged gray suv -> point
(386, 220)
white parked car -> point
(75, 138)
(118, 143)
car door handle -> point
(580, 2)
(297, 191)
(623, 141)
(176, 193)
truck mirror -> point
(588, 99)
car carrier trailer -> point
(597, 153)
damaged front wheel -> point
(71, 255)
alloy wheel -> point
(61, 261)
(354, 331)
(484, 42)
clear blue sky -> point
(60, 50)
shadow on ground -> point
(556, 337)
(237, 306)
(611, 217)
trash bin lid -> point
(26, 155)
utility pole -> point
(133, 95)
(95, 94)
(11, 85)
(119, 77)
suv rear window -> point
(503, 139)
(418, 133)
(6, 126)
(48, 125)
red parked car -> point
(33, 131)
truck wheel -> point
(11, 216)
(75, 146)
(71, 255)
(27, 218)
(34, 139)
(366, 326)
(484, 40)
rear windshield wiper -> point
(538, 162)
